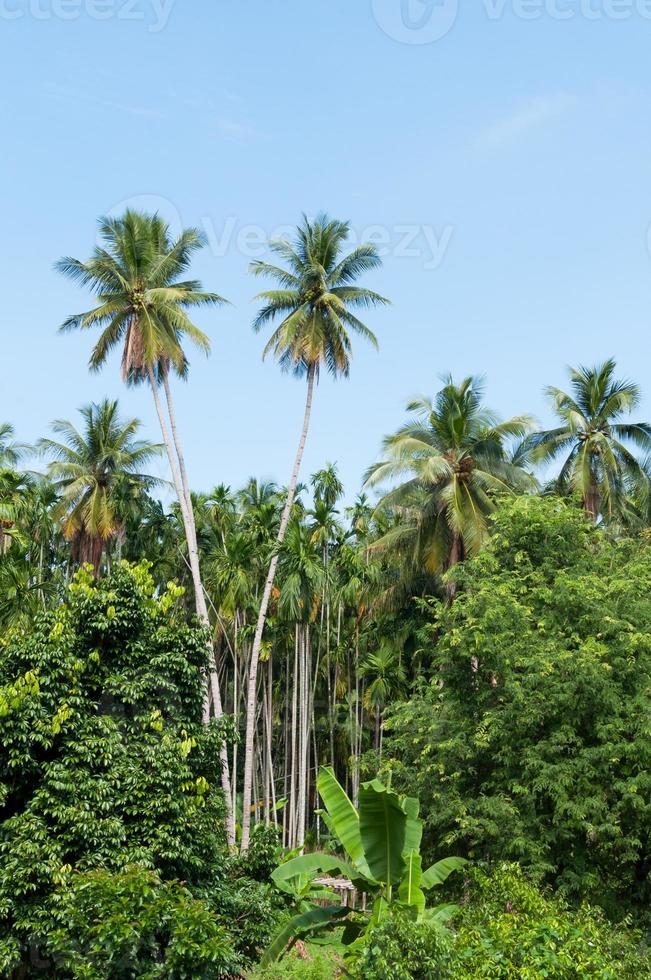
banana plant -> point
(381, 842)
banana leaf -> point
(440, 871)
(315, 919)
(382, 828)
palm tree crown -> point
(599, 465)
(93, 471)
(455, 457)
(137, 275)
(11, 451)
(317, 297)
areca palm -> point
(599, 463)
(386, 678)
(93, 470)
(314, 309)
(455, 456)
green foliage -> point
(451, 461)
(263, 853)
(317, 302)
(403, 949)
(139, 278)
(505, 928)
(599, 462)
(132, 924)
(382, 841)
(531, 742)
(106, 764)
(96, 471)
(308, 964)
(508, 929)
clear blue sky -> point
(522, 144)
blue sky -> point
(504, 166)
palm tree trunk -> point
(193, 548)
(456, 554)
(591, 499)
(200, 599)
(262, 616)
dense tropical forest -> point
(295, 729)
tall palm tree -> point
(598, 462)
(455, 456)
(92, 470)
(315, 303)
(143, 299)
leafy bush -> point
(263, 853)
(106, 764)
(506, 928)
(131, 924)
(403, 949)
(532, 743)
(509, 929)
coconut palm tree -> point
(598, 463)
(11, 451)
(315, 304)
(137, 274)
(92, 471)
(143, 302)
(455, 456)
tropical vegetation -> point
(396, 730)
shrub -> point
(402, 949)
(531, 743)
(105, 765)
(508, 929)
(131, 924)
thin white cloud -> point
(237, 132)
(68, 94)
(530, 115)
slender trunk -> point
(270, 732)
(456, 554)
(591, 499)
(262, 615)
(193, 555)
(302, 763)
(294, 730)
(236, 710)
(286, 755)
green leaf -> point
(414, 829)
(382, 827)
(308, 866)
(440, 914)
(316, 918)
(410, 892)
(343, 818)
(439, 872)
